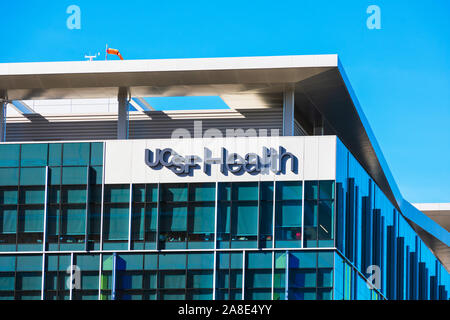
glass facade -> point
(299, 240)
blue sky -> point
(401, 73)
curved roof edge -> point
(411, 213)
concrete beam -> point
(3, 107)
(288, 111)
(122, 121)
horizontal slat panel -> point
(158, 126)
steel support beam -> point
(3, 106)
(288, 112)
(122, 121)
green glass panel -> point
(34, 155)
(225, 191)
(266, 218)
(7, 282)
(55, 176)
(326, 189)
(9, 176)
(96, 154)
(8, 196)
(311, 190)
(289, 190)
(311, 213)
(200, 279)
(29, 281)
(172, 261)
(245, 191)
(117, 194)
(325, 220)
(74, 175)
(245, 219)
(32, 195)
(266, 191)
(139, 193)
(152, 193)
(289, 214)
(76, 154)
(7, 263)
(305, 259)
(259, 260)
(9, 155)
(32, 220)
(87, 262)
(173, 218)
(200, 261)
(150, 261)
(29, 263)
(116, 223)
(73, 221)
(202, 219)
(174, 192)
(8, 220)
(96, 175)
(74, 194)
(55, 154)
(32, 176)
(203, 192)
(172, 281)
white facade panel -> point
(125, 159)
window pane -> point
(245, 191)
(116, 222)
(202, 219)
(73, 221)
(31, 220)
(32, 176)
(174, 192)
(74, 175)
(311, 190)
(55, 154)
(117, 194)
(325, 220)
(76, 154)
(9, 176)
(8, 196)
(289, 214)
(9, 155)
(8, 220)
(326, 189)
(245, 219)
(173, 218)
(289, 190)
(202, 192)
(32, 195)
(96, 154)
(34, 155)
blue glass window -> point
(34, 155)
(9, 155)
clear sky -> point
(400, 73)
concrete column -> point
(288, 112)
(3, 106)
(122, 121)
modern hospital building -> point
(218, 178)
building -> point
(101, 190)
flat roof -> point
(162, 77)
(320, 79)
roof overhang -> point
(320, 78)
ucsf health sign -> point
(220, 159)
